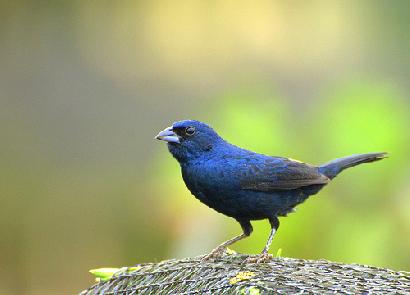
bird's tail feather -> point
(333, 168)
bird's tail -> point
(333, 168)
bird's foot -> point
(218, 252)
(261, 258)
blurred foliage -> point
(84, 87)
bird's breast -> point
(210, 182)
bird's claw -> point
(261, 258)
(218, 252)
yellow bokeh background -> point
(85, 86)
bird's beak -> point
(168, 135)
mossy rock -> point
(229, 275)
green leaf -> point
(104, 274)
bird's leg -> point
(265, 256)
(274, 222)
(220, 250)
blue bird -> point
(243, 184)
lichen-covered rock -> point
(229, 275)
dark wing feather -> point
(281, 174)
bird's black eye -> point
(190, 131)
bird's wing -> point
(280, 174)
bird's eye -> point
(190, 131)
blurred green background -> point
(85, 86)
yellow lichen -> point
(230, 251)
(241, 276)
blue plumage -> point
(243, 184)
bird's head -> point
(189, 139)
